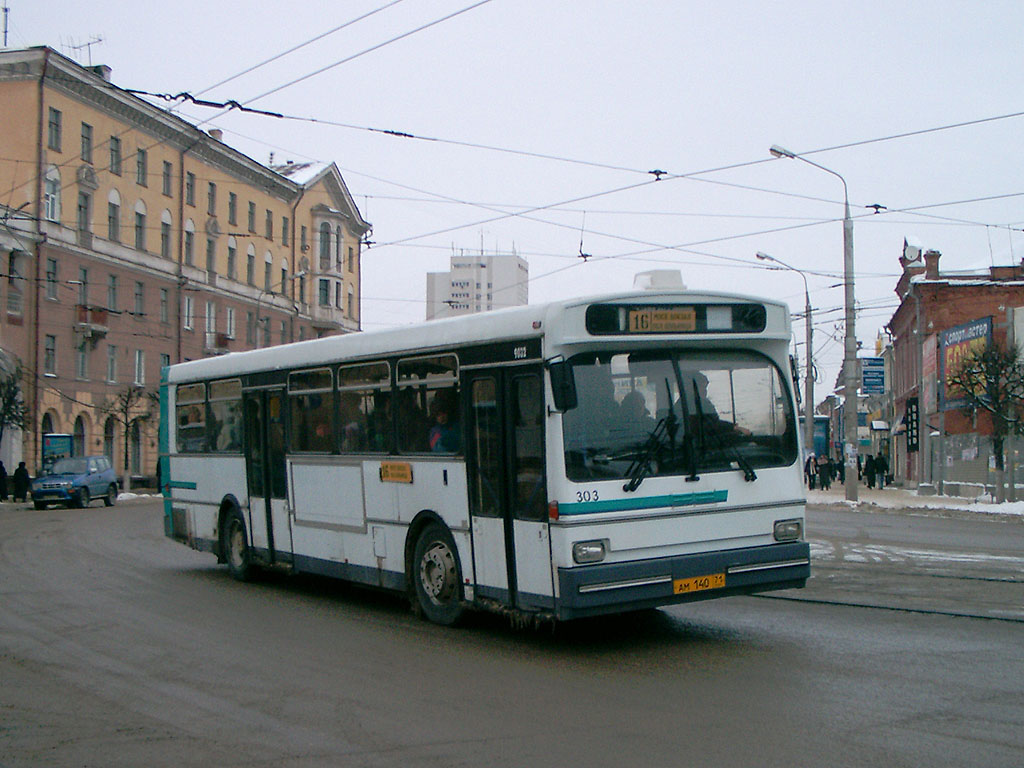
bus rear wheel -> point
(436, 576)
(237, 554)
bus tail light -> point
(589, 551)
(788, 530)
(552, 510)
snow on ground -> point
(898, 498)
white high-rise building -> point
(478, 283)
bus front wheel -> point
(436, 576)
(237, 553)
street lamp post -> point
(850, 385)
(808, 338)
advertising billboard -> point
(955, 344)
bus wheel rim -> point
(437, 573)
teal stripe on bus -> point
(647, 502)
(180, 484)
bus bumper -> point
(615, 587)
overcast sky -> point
(583, 98)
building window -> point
(50, 355)
(140, 230)
(250, 329)
(190, 188)
(86, 143)
(84, 212)
(51, 195)
(230, 322)
(111, 363)
(113, 222)
(211, 325)
(252, 216)
(211, 256)
(165, 239)
(51, 278)
(165, 360)
(164, 306)
(140, 367)
(285, 287)
(54, 130)
(211, 199)
(351, 303)
(232, 258)
(325, 246)
(351, 260)
(325, 293)
(83, 286)
(337, 295)
(140, 298)
(115, 155)
(82, 360)
(284, 230)
(141, 168)
(168, 171)
(232, 208)
(304, 239)
(250, 269)
(112, 293)
(189, 314)
(266, 276)
(270, 224)
(190, 245)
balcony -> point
(91, 321)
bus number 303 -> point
(586, 496)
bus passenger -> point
(444, 434)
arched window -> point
(325, 246)
(78, 438)
(114, 216)
(46, 425)
(250, 265)
(140, 226)
(190, 241)
(109, 431)
(165, 234)
(51, 194)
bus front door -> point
(508, 499)
(268, 522)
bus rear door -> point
(508, 499)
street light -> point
(809, 336)
(850, 357)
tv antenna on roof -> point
(88, 46)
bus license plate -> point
(698, 583)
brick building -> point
(131, 239)
(932, 302)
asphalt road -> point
(119, 647)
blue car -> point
(75, 482)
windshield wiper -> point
(640, 467)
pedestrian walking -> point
(881, 469)
(869, 470)
(824, 472)
(810, 468)
(3, 482)
(21, 481)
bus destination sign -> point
(652, 320)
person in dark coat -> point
(3, 482)
(21, 481)
(869, 470)
(881, 469)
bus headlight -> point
(788, 530)
(589, 551)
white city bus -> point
(581, 457)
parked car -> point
(76, 481)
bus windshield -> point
(669, 412)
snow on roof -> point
(301, 173)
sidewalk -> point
(896, 499)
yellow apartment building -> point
(131, 239)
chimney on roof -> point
(217, 134)
(101, 70)
(931, 264)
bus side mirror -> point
(563, 386)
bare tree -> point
(132, 405)
(992, 380)
(13, 411)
